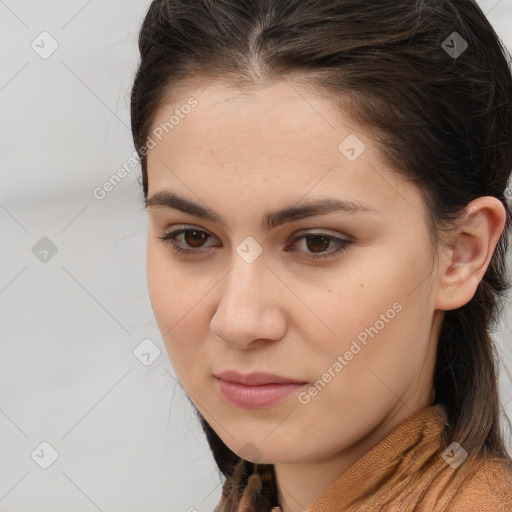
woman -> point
(325, 183)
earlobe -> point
(465, 259)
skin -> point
(241, 155)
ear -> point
(467, 254)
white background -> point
(126, 437)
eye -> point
(316, 243)
(193, 238)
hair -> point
(443, 122)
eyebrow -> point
(271, 219)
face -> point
(341, 301)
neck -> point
(299, 485)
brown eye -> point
(194, 238)
(318, 243)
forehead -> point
(282, 106)
(280, 139)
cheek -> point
(347, 303)
(378, 325)
(160, 286)
(178, 301)
(172, 290)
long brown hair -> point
(441, 113)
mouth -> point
(256, 390)
(255, 378)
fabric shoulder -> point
(486, 488)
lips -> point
(255, 378)
(256, 390)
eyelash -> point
(170, 237)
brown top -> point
(483, 486)
(487, 487)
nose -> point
(248, 308)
